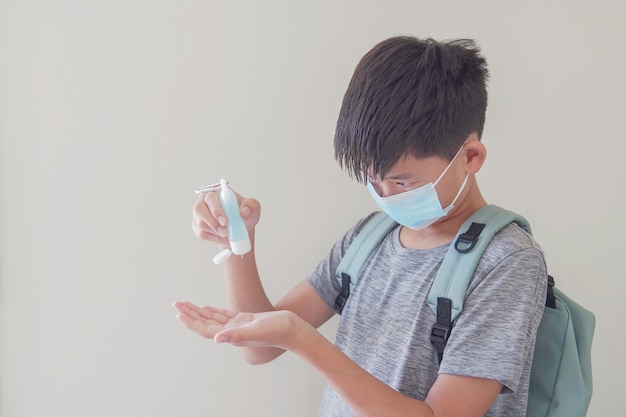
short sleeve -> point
(495, 333)
(322, 279)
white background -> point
(113, 112)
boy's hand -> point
(209, 221)
(282, 329)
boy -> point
(409, 128)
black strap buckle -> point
(439, 336)
(443, 327)
(466, 241)
(550, 297)
(343, 295)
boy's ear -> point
(475, 154)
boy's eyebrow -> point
(398, 177)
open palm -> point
(270, 329)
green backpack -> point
(560, 381)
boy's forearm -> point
(366, 395)
(244, 291)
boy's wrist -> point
(306, 340)
(302, 331)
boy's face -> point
(410, 173)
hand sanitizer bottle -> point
(237, 232)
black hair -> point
(410, 96)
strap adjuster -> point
(343, 295)
(466, 241)
(550, 297)
(443, 326)
(439, 335)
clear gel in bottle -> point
(237, 232)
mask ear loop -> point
(450, 164)
(459, 193)
(451, 205)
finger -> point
(222, 337)
(188, 309)
(204, 224)
(243, 330)
(205, 330)
(185, 306)
(206, 314)
(180, 305)
(188, 314)
(216, 314)
(250, 210)
(212, 202)
(206, 321)
(242, 335)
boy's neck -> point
(445, 229)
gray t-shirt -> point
(386, 323)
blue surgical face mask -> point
(418, 208)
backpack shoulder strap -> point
(357, 253)
(458, 267)
(447, 293)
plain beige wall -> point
(112, 112)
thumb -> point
(250, 211)
(222, 337)
(235, 336)
(245, 335)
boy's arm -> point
(450, 396)
(244, 289)
(245, 292)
